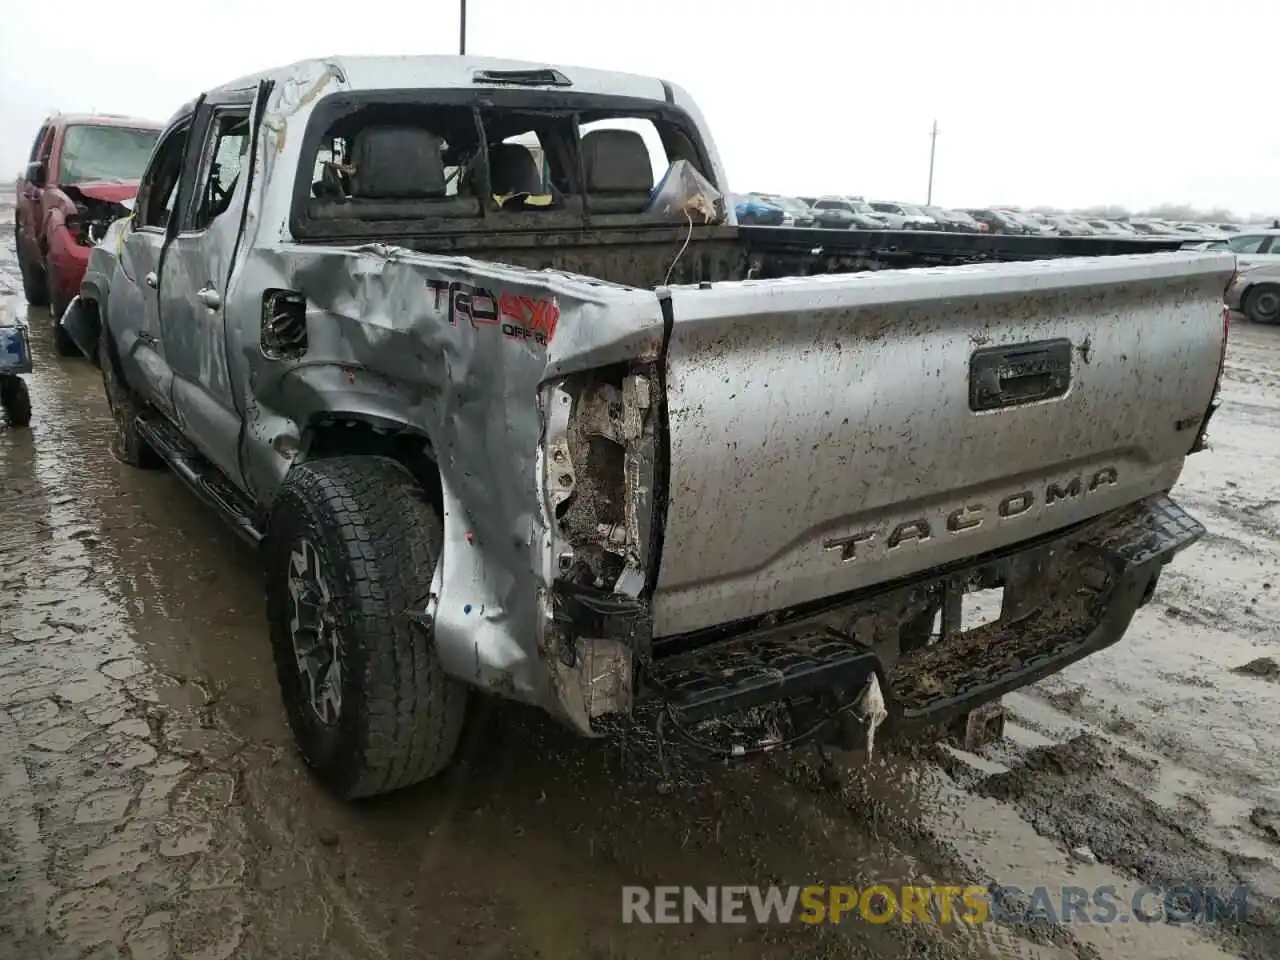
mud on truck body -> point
(495, 425)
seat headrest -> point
(616, 161)
(397, 163)
(512, 169)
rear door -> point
(194, 274)
(830, 433)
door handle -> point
(152, 280)
(209, 297)
(1011, 376)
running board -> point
(204, 479)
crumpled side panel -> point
(456, 350)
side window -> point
(36, 152)
(158, 191)
(220, 167)
(1250, 244)
(46, 148)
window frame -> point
(42, 135)
(241, 109)
(304, 229)
(181, 127)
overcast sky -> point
(1069, 103)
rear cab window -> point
(451, 163)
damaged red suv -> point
(82, 172)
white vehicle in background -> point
(1255, 290)
(1112, 228)
(1036, 223)
(913, 218)
(1252, 247)
(1070, 226)
(1206, 231)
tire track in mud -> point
(1082, 794)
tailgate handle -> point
(1024, 373)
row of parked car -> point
(855, 213)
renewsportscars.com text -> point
(942, 904)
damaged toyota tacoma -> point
(475, 355)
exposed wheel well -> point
(353, 436)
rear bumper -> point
(1073, 595)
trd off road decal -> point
(521, 318)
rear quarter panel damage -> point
(455, 351)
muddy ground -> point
(151, 804)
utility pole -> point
(933, 147)
(462, 30)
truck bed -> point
(832, 422)
(647, 257)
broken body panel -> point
(633, 451)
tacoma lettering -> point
(971, 516)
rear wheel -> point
(15, 401)
(1262, 303)
(127, 444)
(350, 551)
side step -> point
(200, 475)
(750, 671)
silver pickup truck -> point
(503, 415)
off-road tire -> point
(63, 345)
(377, 539)
(15, 401)
(127, 444)
(34, 287)
(1262, 303)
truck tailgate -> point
(830, 433)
